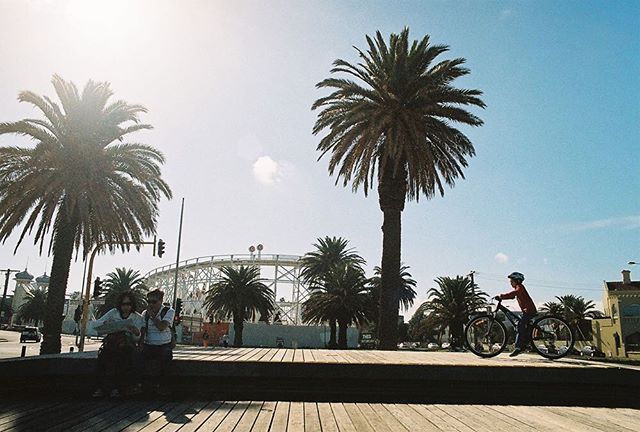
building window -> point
(631, 311)
(632, 342)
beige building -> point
(618, 333)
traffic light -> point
(160, 248)
(97, 288)
(178, 307)
(77, 315)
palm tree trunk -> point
(391, 195)
(238, 327)
(332, 334)
(62, 254)
(342, 334)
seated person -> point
(116, 363)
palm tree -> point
(331, 252)
(35, 306)
(395, 123)
(451, 303)
(120, 281)
(240, 295)
(81, 183)
(576, 310)
(553, 308)
(407, 292)
(344, 296)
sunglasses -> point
(152, 301)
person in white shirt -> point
(115, 366)
(157, 339)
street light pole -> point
(87, 287)
(175, 276)
(6, 286)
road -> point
(10, 345)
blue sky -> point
(553, 191)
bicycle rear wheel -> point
(486, 336)
(552, 337)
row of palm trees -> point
(391, 122)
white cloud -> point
(501, 258)
(625, 222)
(269, 171)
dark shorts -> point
(157, 359)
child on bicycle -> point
(526, 305)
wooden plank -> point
(123, 415)
(481, 419)
(311, 417)
(279, 355)
(409, 417)
(280, 417)
(201, 416)
(440, 420)
(512, 421)
(552, 420)
(249, 417)
(212, 422)
(29, 409)
(589, 419)
(147, 418)
(342, 419)
(231, 420)
(296, 417)
(627, 418)
(97, 408)
(263, 422)
(165, 419)
(298, 356)
(27, 419)
(288, 355)
(377, 422)
(327, 418)
(186, 417)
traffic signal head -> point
(178, 307)
(160, 248)
(97, 288)
(77, 315)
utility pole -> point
(175, 278)
(6, 286)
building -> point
(618, 333)
(25, 283)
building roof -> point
(621, 286)
(43, 280)
(24, 276)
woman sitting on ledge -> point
(116, 365)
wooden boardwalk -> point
(259, 416)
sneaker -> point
(98, 393)
(114, 393)
(516, 352)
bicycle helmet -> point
(517, 276)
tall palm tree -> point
(80, 183)
(451, 302)
(344, 296)
(120, 281)
(396, 123)
(407, 293)
(35, 306)
(330, 253)
(240, 295)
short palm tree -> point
(396, 123)
(451, 302)
(240, 295)
(407, 284)
(576, 310)
(80, 183)
(344, 296)
(120, 281)
(330, 252)
(35, 306)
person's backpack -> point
(163, 312)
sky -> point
(553, 192)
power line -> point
(534, 284)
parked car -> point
(591, 351)
(30, 333)
(432, 346)
(446, 345)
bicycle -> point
(550, 336)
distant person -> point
(115, 368)
(205, 339)
(158, 340)
(526, 305)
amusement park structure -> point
(281, 273)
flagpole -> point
(175, 279)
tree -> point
(343, 296)
(576, 310)
(35, 306)
(407, 293)
(330, 253)
(553, 308)
(451, 302)
(422, 325)
(240, 295)
(395, 123)
(120, 281)
(80, 183)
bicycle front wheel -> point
(552, 337)
(486, 336)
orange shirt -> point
(524, 300)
